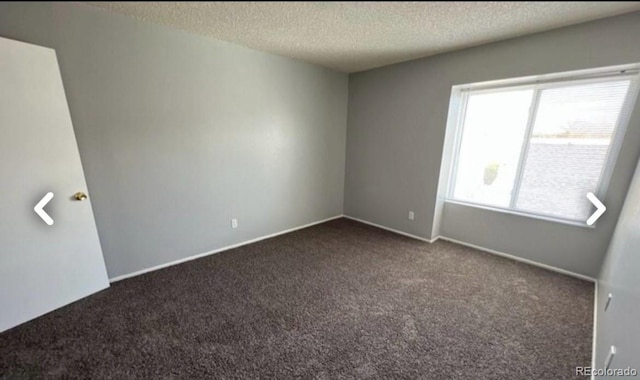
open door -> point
(50, 254)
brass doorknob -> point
(80, 196)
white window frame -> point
(538, 84)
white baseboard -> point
(521, 259)
(551, 268)
(488, 250)
(480, 248)
(595, 328)
(185, 259)
(390, 229)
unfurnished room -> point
(319, 190)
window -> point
(539, 148)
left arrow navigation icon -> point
(39, 208)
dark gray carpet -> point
(337, 300)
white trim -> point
(537, 84)
(488, 250)
(458, 124)
(595, 327)
(521, 259)
(522, 213)
(615, 144)
(549, 80)
(185, 259)
(524, 150)
(391, 229)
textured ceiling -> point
(350, 36)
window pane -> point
(492, 139)
(570, 139)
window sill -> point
(524, 214)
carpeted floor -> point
(337, 300)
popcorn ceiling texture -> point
(351, 37)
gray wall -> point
(619, 326)
(179, 133)
(396, 128)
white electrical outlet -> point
(234, 223)
(412, 215)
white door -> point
(42, 266)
